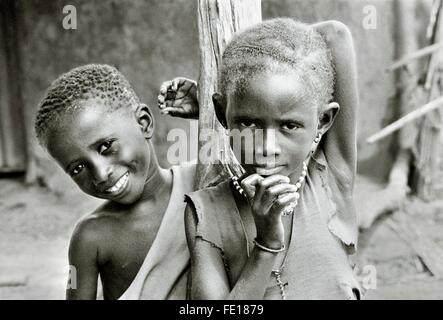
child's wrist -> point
(269, 246)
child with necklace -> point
(285, 228)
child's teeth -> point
(119, 184)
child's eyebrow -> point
(98, 142)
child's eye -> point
(290, 126)
(248, 124)
(77, 170)
(105, 146)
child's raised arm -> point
(83, 257)
(340, 142)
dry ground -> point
(35, 226)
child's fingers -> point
(285, 202)
(183, 83)
(268, 182)
(275, 194)
(263, 198)
(169, 103)
(175, 83)
(248, 184)
(169, 109)
(281, 189)
(161, 99)
(175, 112)
(164, 87)
(252, 179)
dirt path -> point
(401, 273)
(35, 227)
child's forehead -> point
(282, 90)
(97, 100)
(85, 127)
(90, 117)
(100, 107)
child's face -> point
(282, 107)
(105, 153)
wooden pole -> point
(398, 124)
(430, 153)
(218, 20)
(13, 140)
(414, 56)
(393, 194)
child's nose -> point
(269, 145)
(101, 173)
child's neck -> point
(155, 196)
(159, 180)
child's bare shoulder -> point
(92, 229)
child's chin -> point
(126, 200)
(267, 172)
(123, 202)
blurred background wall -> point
(154, 40)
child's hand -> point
(269, 197)
(179, 98)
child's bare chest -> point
(123, 253)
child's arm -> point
(340, 141)
(82, 284)
(209, 280)
(212, 283)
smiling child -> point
(94, 125)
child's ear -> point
(220, 108)
(145, 120)
(327, 117)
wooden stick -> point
(415, 55)
(429, 148)
(218, 20)
(13, 281)
(434, 104)
(433, 18)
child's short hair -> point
(278, 45)
(89, 81)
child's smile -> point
(279, 111)
(101, 151)
(118, 187)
